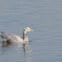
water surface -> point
(45, 17)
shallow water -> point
(45, 17)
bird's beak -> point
(31, 30)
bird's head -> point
(27, 29)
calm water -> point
(45, 17)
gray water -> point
(44, 17)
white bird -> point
(11, 38)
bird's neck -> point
(25, 37)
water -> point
(45, 17)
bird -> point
(12, 38)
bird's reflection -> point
(27, 53)
(9, 45)
(25, 47)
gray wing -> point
(5, 36)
